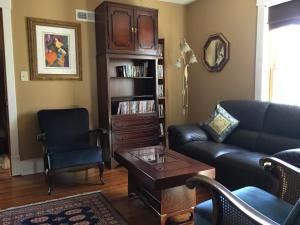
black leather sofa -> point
(265, 129)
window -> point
(284, 61)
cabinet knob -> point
(135, 30)
(132, 29)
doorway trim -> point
(11, 87)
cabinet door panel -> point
(146, 30)
(120, 28)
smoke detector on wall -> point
(84, 15)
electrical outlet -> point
(24, 76)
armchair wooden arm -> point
(41, 137)
(228, 207)
(99, 131)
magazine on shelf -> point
(134, 107)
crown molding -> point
(180, 2)
(270, 2)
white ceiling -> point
(181, 2)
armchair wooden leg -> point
(50, 176)
(101, 170)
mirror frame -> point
(221, 37)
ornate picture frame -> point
(54, 49)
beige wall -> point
(35, 95)
(236, 19)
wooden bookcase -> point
(118, 55)
(162, 100)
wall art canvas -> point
(54, 50)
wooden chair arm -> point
(99, 131)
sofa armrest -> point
(182, 134)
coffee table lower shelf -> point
(165, 203)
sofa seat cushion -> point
(63, 159)
(207, 151)
(240, 169)
(264, 202)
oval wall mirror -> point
(216, 52)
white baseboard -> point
(27, 167)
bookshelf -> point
(128, 106)
(162, 99)
(127, 81)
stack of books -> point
(132, 71)
(160, 90)
(133, 107)
(161, 126)
(160, 71)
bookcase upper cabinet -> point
(128, 29)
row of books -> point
(160, 90)
(133, 107)
(161, 112)
(132, 71)
(160, 71)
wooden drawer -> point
(135, 138)
(132, 122)
(135, 134)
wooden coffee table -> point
(157, 176)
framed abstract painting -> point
(54, 49)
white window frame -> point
(262, 67)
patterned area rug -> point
(84, 209)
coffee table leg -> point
(163, 219)
(131, 186)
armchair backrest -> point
(63, 127)
(284, 165)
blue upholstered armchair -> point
(66, 140)
(251, 205)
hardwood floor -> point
(32, 188)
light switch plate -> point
(24, 76)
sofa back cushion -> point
(251, 115)
(281, 129)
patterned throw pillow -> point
(220, 124)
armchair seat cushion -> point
(208, 151)
(76, 157)
(268, 204)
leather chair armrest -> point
(182, 134)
